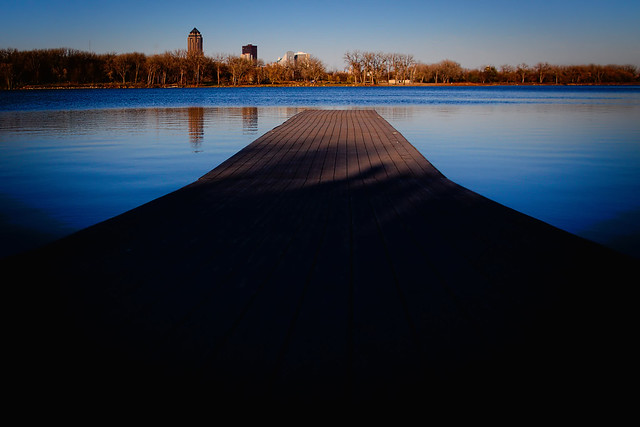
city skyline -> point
(474, 34)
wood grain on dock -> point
(326, 260)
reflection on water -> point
(197, 121)
(576, 166)
(196, 127)
(61, 171)
(250, 120)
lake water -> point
(569, 156)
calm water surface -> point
(569, 156)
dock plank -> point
(327, 260)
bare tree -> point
(153, 67)
(557, 71)
(423, 72)
(219, 62)
(180, 63)
(311, 68)
(260, 72)
(275, 73)
(507, 73)
(522, 71)
(136, 61)
(238, 67)
(168, 68)
(6, 73)
(542, 68)
(367, 66)
(196, 63)
(597, 72)
(121, 65)
(402, 65)
(449, 70)
(378, 66)
(354, 63)
(389, 60)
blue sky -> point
(473, 33)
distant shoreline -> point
(465, 84)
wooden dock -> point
(326, 261)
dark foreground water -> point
(569, 156)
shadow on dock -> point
(327, 261)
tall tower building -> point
(250, 52)
(194, 42)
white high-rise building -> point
(292, 58)
(301, 56)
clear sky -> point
(473, 33)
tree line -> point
(378, 67)
(69, 67)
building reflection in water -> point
(196, 121)
(196, 127)
(249, 120)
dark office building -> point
(194, 42)
(250, 52)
